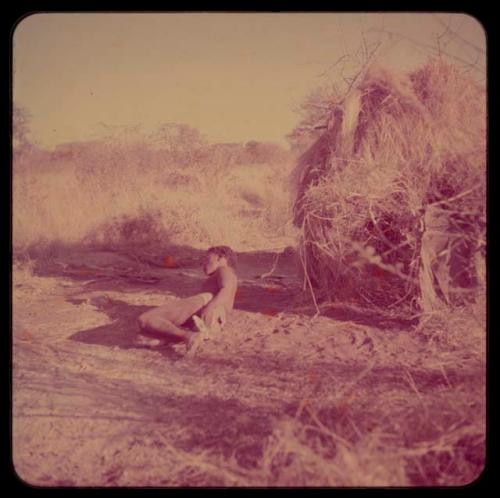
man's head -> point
(218, 256)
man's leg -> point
(158, 325)
(165, 320)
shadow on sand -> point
(122, 331)
(177, 269)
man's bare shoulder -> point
(227, 269)
(226, 274)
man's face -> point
(211, 263)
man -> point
(212, 304)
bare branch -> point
(337, 62)
(454, 34)
(425, 46)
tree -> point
(181, 140)
(263, 152)
(314, 112)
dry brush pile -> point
(391, 198)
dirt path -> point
(278, 398)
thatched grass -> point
(391, 198)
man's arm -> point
(227, 283)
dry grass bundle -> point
(391, 198)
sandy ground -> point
(279, 398)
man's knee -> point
(145, 320)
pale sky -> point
(235, 77)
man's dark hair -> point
(227, 252)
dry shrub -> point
(143, 228)
(297, 455)
(461, 330)
(396, 148)
(114, 190)
(418, 426)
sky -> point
(235, 77)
